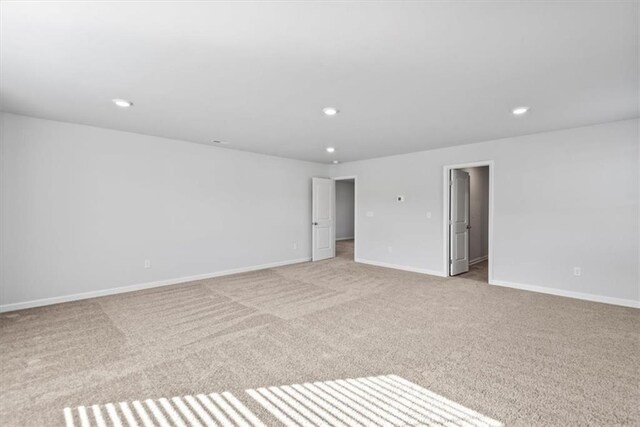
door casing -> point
(355, 211)
(445, 212)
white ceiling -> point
(406, 76)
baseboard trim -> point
(400, 267)
(344, 238)
(141, 286)
(113, 291)
(569, 294)
(478, 260)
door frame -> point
(355, 210)
(447, 206)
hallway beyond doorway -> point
(344, 249)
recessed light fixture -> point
(122, 103)
(335, 162)
(330, 149)
(518, 111)
(216, 141)
(330, 111)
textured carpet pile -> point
(517, 357)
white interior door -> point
(459, 222)
(323, 227)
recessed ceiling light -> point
(330, 111)
(335, 162)
(216, 141)
(518, 111)
(330, 149)
(122, 103)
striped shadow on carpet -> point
(200, 410)
(387, 400)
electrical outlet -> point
(390, 249)
(295, 246)
(428, 215)
(577, 271)
(147, 263)
(369, 214)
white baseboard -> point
(401, 267)
(112, 291)
(140, 286)
(478, 260)
(569, 294)
(540, 289)
(344, 238)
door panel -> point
(323, 219)
(461, 244)
(459, 222)
(323, 211)
(324, 240)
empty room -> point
(319, 213)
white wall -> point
(562, 199)
(83, 207)
(479, 212)
(344, 209)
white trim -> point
(478, 260)
(569, 294)
(316, 254)
(445, 211)
(140, 286)
(401, 267)
(538, 289)
(355, 210)
(344, 238)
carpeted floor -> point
(478, 272)
(517, 357)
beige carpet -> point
(385, 400)
(517, 357)
(478, 272)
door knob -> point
(468, 227)
(314, 223)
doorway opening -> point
(334, 218)
(468, 221)
(345, 217)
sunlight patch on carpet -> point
(373, 401)
(387, 401)
(188, 411)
